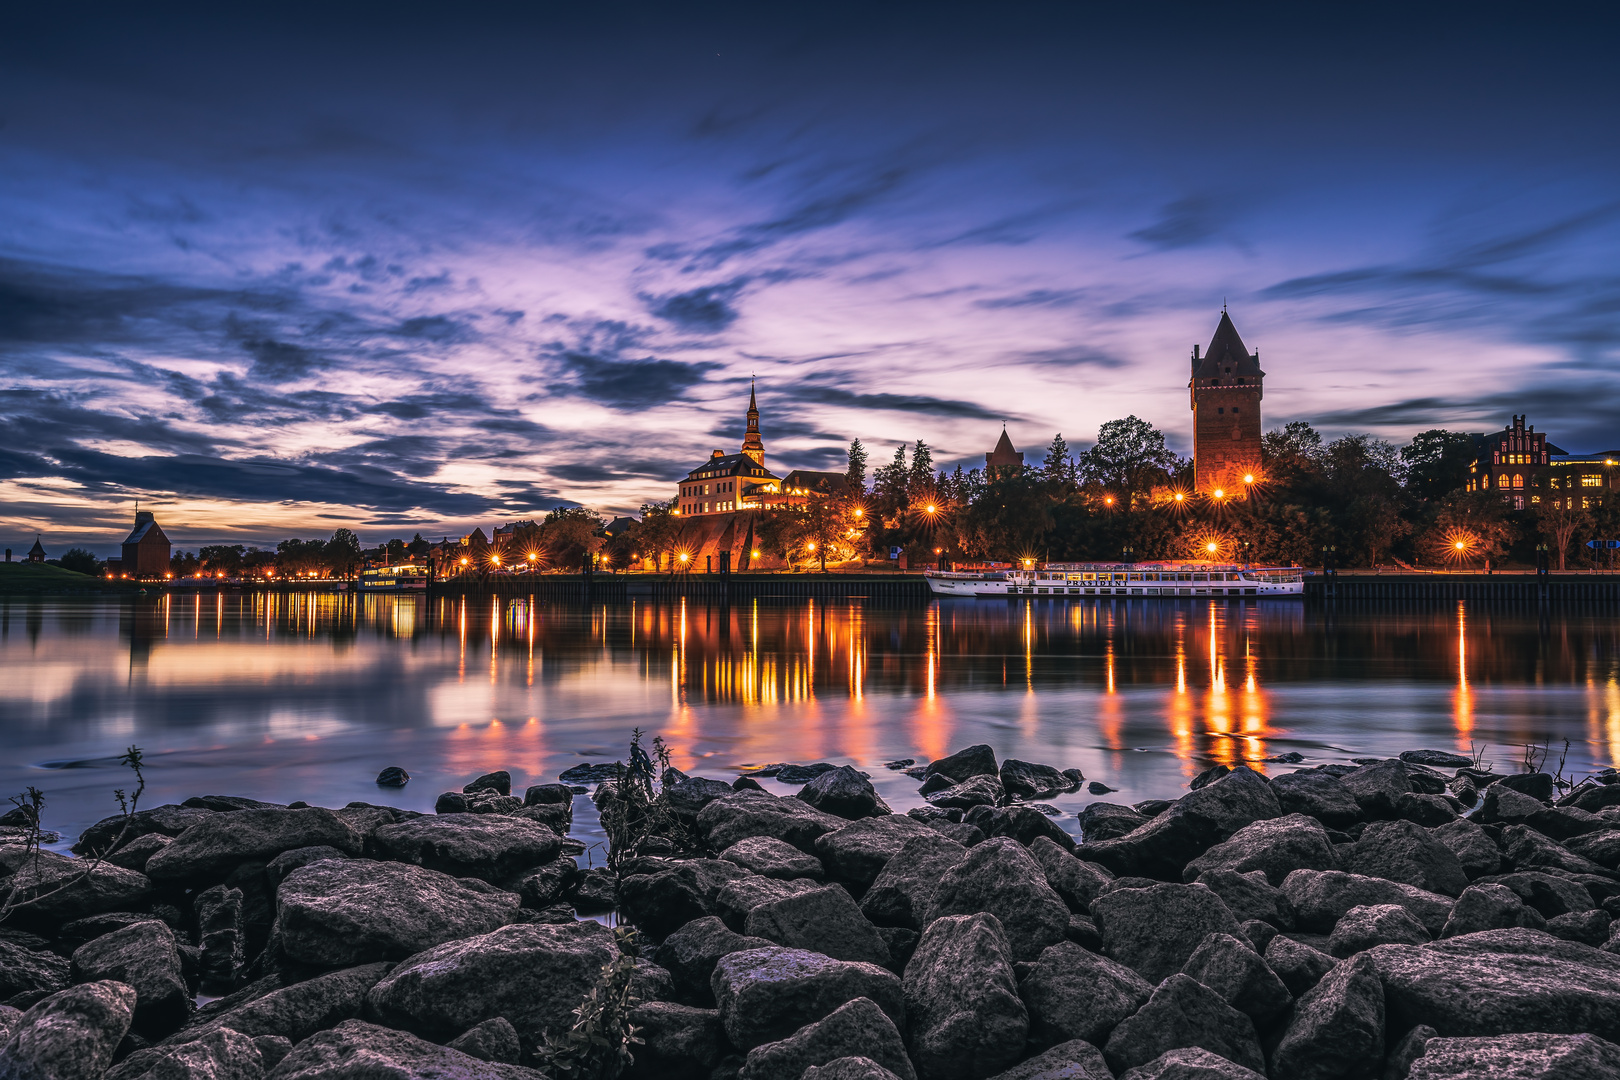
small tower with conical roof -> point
(752, 445)
(1226, 387)
(1003, 456)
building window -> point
(1502, 480)
(1220, 410)
(1234, 409)
(1518, 502)
(1591, 481)
(1518, 480)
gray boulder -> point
(1378, 787)
(1362, 928)
(736, 899)
(277, 869)
(1025, 824)
(1073, 1060)
(1337, 1029)
(1191, 1063)
(679, 1042)
(1001, 878)
(1319, 794)
(1528, 849)
(1408, 853)
(1027, 780)
(218, 843)
(1076, 881)
(858, 852)
(1321, 897)
(765, 995)
(1183, 1013)
(824, 919)
(849, 1068)
(1109, 821)
(1550, 893)
(71, 1035)
(1398, 1061)
(493, 1040)
(1531, 1056)
(27, 971)
(1504, 806)
(1298, 965)
(688, 797)
(1489, 907)
(533, 975)
(138, 852)
(1476, 852)
(47, 888)
(690, 954)
(1501, 982)
(356, 1050)
(1155, 931)
(974, 791)
(293, 1011)
(1230, 967)
(544, 885)
(857, 1027)
(1276, 847)
(342, 913)
(773, 859)
(114, 833)
(1163, 847)
(845, 793)
(902, 891)
(1249, 896)
(1602, 848)
(736, 817)
(145, 957)
(221, 1054)
(963, 1014)
(485, 846)
(1587, 927)
(661, 903)
(978, 760)
(1071, 993)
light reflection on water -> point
(309, 696)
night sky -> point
(275, 273)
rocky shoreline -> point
(1413, 917)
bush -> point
(81, 561)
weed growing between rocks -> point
(635, 806)
(597, 1046)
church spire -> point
(752, 445)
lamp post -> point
(1541, 560)
(1329, 563)
(1130, 554)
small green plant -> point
(633, 806)
(597, 1046)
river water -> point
(308, 697)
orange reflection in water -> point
(1462, 698)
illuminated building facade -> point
(1524, 468)
(1225, 389)
(146, 550)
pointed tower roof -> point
(38, 548)
(1226, 349)
(753, 445)
(1004, 456)
(1004, 445)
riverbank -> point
(1341, 920)
(41, 579)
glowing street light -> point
(1461, 545)
(811, 545)
(754, 554)
(1220, 493)
(1108, 500)
(1212, 547)
(684, 556)
(1248, 478)
(464, 561)
(859, 511)
(1180, 497)
(930, 508)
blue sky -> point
(409, 270)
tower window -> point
(1234, 409)
(1220, 410)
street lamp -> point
(1220, 493)
(1248, 478)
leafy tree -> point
(1476, 519)
(1130, 458)
(342, 552)
(299, 558)
(222, 558)
(855, 475)
(418, 548)
(1558, 518)
(1290, 451)
(1437, 461)
(183, 563)
(571, 534)
(81, 561)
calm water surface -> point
(284, 698)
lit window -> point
(1518, 480)
(1502, 480)
(1591, 481)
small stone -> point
(1027, 780)
(1437, 759)
(1363, 928)
(1097, 787)
(984, 790)
(899, 763)
(802, 774)
(393, 776)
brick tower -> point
(1226, 387)
(753, 445)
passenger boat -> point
(1145, 580)
(405, 578)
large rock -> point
(845, 793)
(1250, 896)
(1475, 850)
(977, 760)
(221, 1054)
(690, 954)
(857, 1027)
(688, 797)
(218, 843)
(902, 891)
(1163, 847)
(50, 889)
(493, 1040)
(1276, 846)
(1078, 882)
(1183, 1013)
(1191, 1063)
(824, 919)
(858, 852)
(1297, 964)
(1109, 821)
(1229, 966)
(341, 913)
(773, 859)
(1025, 824)
(963, 1013)
(1337, 1029)
(532, 975)
(855, 1067)
(1072, 993)
(1550, 893)
(293, 1011)
(1489, 907)
(27, 971)
(1377, 788)
(1321, 897)
(1501, 982)
(1155, 931)
(1073, 1060)
(1504, 806)
(766, 995)
(1363, 928)
(485, 846)
(116, 832)
(1408, 853)
(663, 902)
(1602, 848)
(1527, 849)
(972, 792)
(1000, 877)
(1535, 1056)
(678, 1042)
(356, 1050)
(1027, 780)
(145, 957)
(71, 1035)
(756, 813)
(736, 899)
